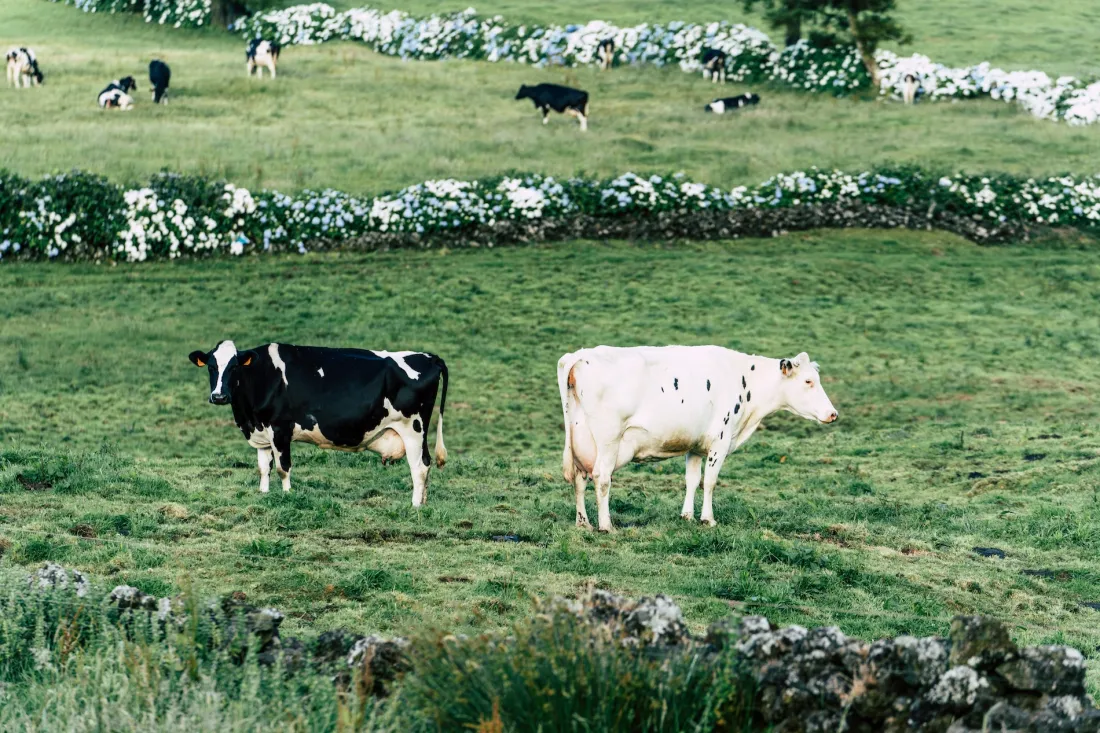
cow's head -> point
(224, 364)
(128, 84)
(801, 390)
(522, 93)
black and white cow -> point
(261, 53)
(650, 403)
(909, 88)
(558, 98)
(714, 65)
(23, 66)
(345, 399)
(159, 76)
(117, 94)
(731, 104)
(606, 53)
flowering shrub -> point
(83, 217)
(177, 13)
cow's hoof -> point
(709, 522)
(688, 517)
(607, 530)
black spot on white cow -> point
(159, 77)
(23, 67)
(730, 104)
(606, 53)
(714, 65)
(565, 100)
(260, 54)
(117, 94)
(344, 399)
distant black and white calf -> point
(159, 76)
(117, 94)
(714, 65)
(345, 399)
(261, 53)
(558, 98)
(23, 67)
(909, 89)
(606, 53)
(731, 104)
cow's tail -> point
(565, 366)
(440, 449)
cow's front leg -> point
(694, 476)
(271, 68)
(580, 482)
(710, 477)
(280, 447)
(264, 458)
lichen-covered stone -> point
(127, 597)
(1054, 670)
(52, 576)
(979, 642)
(379, 660)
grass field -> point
(342, 117)
(961, 374)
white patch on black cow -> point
(22, 66)
(623, 405)
(378, 401)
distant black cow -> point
(261, 53)
(117, 94)
(606, 52)
(558, 98)
(23, 66)
(159, 76)
(346, 399)
(714, 65)
(729, 104)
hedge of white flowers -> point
(83, 217)
(176, 13)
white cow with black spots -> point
(649, 403)
(23, 66)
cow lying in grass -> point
(23, 66)
(624, 405)
(555, 97)
(346, 399)
(261, 53)
(730, 104)
(117, 94)
(159, 77)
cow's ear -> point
(198, 358)
(802, 360)
(245, 358)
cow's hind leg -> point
(264, 459)
(694, 476)
(580, 482)
(280, 448)
(710, 477)
(606, 457)
(416, 453)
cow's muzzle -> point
(832, 417)
(219, 399)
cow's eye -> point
(809, 383)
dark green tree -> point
(861, 23)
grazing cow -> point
(714, 65)
(22, 64)
(346, 399)
(261, 53)
(117, 94)
(159, 76)
(729, 104)
(909, 90)
(650, 403)
(606, 51)
(558, 98)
